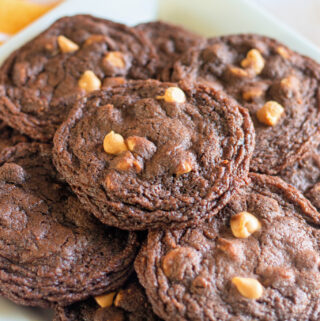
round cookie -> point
(170, 41)
(130, 303)
(257, 260)
(10, 137)
(147, 154)
(279, 87)
(40, 81)
(52, 251)
(304, 174)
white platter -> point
(208, 17)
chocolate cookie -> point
(147, 154)
(305, 175)
(257, 260)
(10, 137)
(170, 41)
(280, 88)
(52, 251)
(76, 55)
(130, 303)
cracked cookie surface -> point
(147, 154)
(269, 273)
(279, 87)
(52, 251)
(170, 41)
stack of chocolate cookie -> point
(143, 175)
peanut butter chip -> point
(105, 300)
(180, 262)
(113, 81)
(244, 224)
(270, 113)
(127, 161)
(184, 167)
(290, 82)
(254, 61)
(89, 81)
(66, 45)
(252, 94)
(115, 58)
(118, 298)
(283, 52)
(95, 39)
(141, 146)
(114, 143)
(238, 72)
(173, 95)
(248, 287)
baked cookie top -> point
(279, 87)
(149, 154)
(128, 303)
(76, 55)
(257, 260)
(304, 174)
(170, 41)
(52, 251)
(10, 137)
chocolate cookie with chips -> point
(258, 259)
(149, 154)
(52, 251)
(279, 87)
(76, 55)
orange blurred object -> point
(17, 14)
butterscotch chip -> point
(254, 60)
(113, 143)
(173, 95)
(127, 161)
(244, 224)
(228, 247)
(179, 261)
(283, 52)
(291, 84)
(239, 72)
(115, 58)
(95, 39)
(113, 81)
(252, 94)
(270, 113)
(184, 167)
(141, 146)
(248, 287)
(89, 81)
(66, 45)
(105, 300)
(118, 298)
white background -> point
(302, 15)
